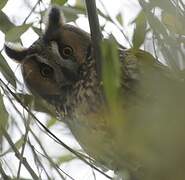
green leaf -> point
(3, 115)
(65, 158)
(7, 72)
(51, 122)
(59, 2)
(111, 71)
(18, 145)
(140, 30)
(153, 21)
(167, 42)
(156, 25)
(14, 33)
(5, 23)
(71, 13)
(2, 3)
(119, 17)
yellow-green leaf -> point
(7, 72)
(111, 71)
(14, 33)
(2, 3)
(3, 115)
(5, 23)
(65, 158)
(18, 145)
(59, 2)
(51, 122)
(119, 17)
(140, 30)
(71, 13)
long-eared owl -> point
(60, 68)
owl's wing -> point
(144, 77)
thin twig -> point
(23, 147)
(53, 163)
(18, 155)
(57, 168)
(32, 10)
(37, 140)
(3, 174)
(108, 17)
(96, 35)
(53, 135)
(38, 162)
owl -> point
(132, 137)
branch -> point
(32, 10)
(3, 174)
(23, 147)
(18, 155)
(109, 18)
(77, 154)
(96, 35)
(57, 168)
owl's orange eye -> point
(67, 51)
(46, 71)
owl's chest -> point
(86, 96)
(86, 118)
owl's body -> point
(60, 68)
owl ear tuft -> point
(55, 17)
(54, 21)
(15, 52)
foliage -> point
(159, 23)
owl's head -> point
(50, 67)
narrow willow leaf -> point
(140, 30)
(111, 77)
(65, 158)
(18, 145)
(3, 115)
(111, 71)
(71, 13)
(2, 3)
(119, 17)
(51, 122)
(7, 72)
(5, 23)
(167, 42)
(59, 2)
(156, 24)
(14, 33)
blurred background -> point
(152, 25)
